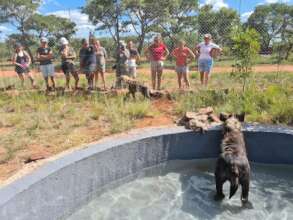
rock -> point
(207, 110)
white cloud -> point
(246, 15)
(217, 4)
(81, 20)
(4, 28)
(275, 1)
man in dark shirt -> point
(88, 62)
(45, 56)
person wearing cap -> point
(22, 61)
(101, 56)
(45, 57)
(157, 52)
(87, 57)
(205, 59)
(122, 67)
(183, 56)
(134, 57)
(67, 56)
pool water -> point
(184, 190)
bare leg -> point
(20, 76)
(90, 78)
(31, 78)
(47, 82)
(159, 78)
(206, 78)
(154, 76)
(179, 77)
(186, 80)
(53, 82)
(202, 78)
(76, 78)
(96, 77)
(103, 79)
(67, 76)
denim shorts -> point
(89, 69)
(205, 65)
(182, 69)
(47, 70)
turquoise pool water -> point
(184, 190)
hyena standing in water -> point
(232, 164)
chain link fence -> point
(140, 21)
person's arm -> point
(191, 56)
(173, 54)
(147, 53)
(105, 53)
(197, 50)
(38, 55)
(80, 58)
(167, 53)
(50, 55)
(137, 56)
(29, 61)
(14, 60)
(45, 57)
(217, 47)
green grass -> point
(30, 118)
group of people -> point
(93, 57)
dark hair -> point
(83, 41)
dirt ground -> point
(265, 68)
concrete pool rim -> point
(25, 183)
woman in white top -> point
(206, 50)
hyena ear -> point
(240, 117)
(224, 116)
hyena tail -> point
(234, 181)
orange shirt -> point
(181, 56)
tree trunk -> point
(141, 42)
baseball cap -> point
(63, 41)
(208, 36)
(44, 39)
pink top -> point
(157, 52)
(181, 56)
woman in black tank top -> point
(22, 60)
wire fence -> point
(140, 21)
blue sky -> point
(70, 9)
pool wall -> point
(58, 188)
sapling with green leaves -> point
(245, 49)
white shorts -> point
(47, 70)
(157, 66)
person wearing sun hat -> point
(45, 57)
(206, 51)
(22, 61)
(68, 56)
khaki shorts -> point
(157, 66)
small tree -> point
(245, 48)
